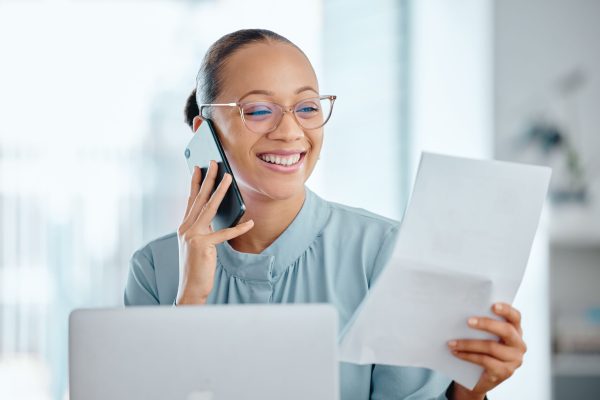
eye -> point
(307, 109)
(257, 111)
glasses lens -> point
(261, 116)
(313, 113)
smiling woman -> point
(291, 246)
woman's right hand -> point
(197, 240)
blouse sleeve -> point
(386, 247)
(407, 383)
(141, 288)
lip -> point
(282, 152)
(282, 168)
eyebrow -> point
(269, 93)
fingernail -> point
(498, 307)
(472, 321)
(452, 343)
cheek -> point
(316, 142)
(238, 149)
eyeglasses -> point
(264, 116)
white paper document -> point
(463, 244)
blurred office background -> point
(92, 138)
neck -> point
(271, 217)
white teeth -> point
(285, 161)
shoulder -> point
(153, 271)
(355, 221)
(360, 236)
(156, 247)
(160, 254)
(362, 216)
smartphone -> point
(203, 147)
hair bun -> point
(191, 109)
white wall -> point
(362, 162)
(452, 97)
(538, 43)
(451, 77)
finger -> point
(496, 370)
(202, 196)
(230, 233)
(209, 182)
(209, 210)
(510, 313)
(490, 347)
(504, 330)
(194, 189)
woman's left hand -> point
(499, 358)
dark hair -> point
(208, 81)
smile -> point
(283, 162)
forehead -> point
(273, 66)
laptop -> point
(211, 352)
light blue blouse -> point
(330, 253)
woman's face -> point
(280, 73)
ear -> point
(196, 123)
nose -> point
(288, 129)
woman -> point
(291, 245)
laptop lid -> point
(215, 352)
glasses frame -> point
(284, 110)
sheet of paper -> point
(463, 244)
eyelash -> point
(259, 112)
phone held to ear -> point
(204, 147)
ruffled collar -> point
(287, 248)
